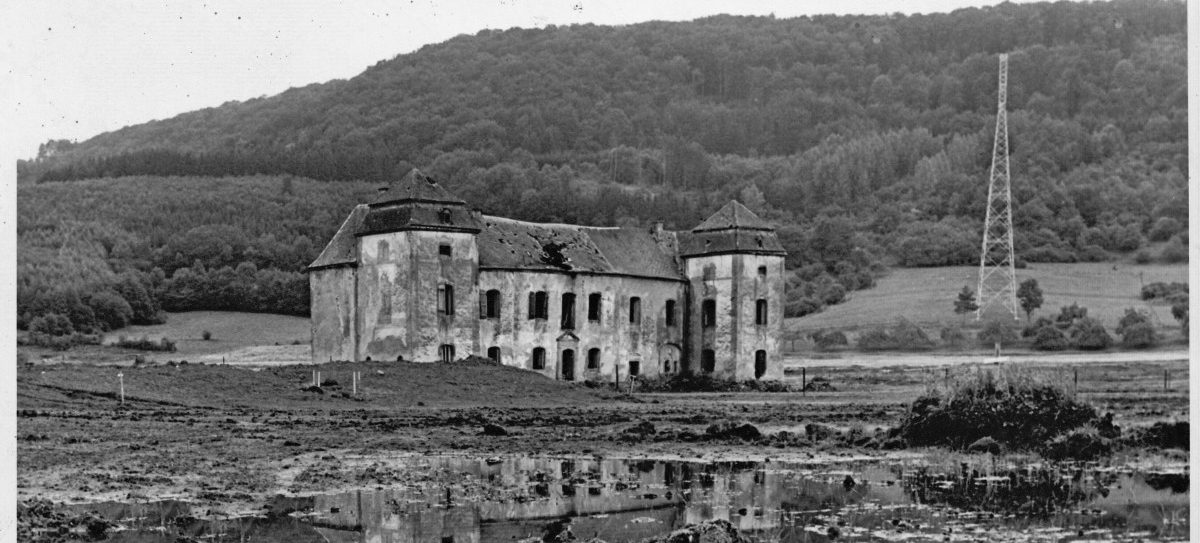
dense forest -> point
(863, 138)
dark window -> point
(760, 312)
(666, 366)
(708, 313)
(708, 361)
(762, 270)
(444, 215)
(445, 250)
(537, 305)
(489, 305)
(494, 354)
(568, 311)
(539, 358)
(760, 364)
(635, 368)
(447, 353)
(593, 359)
(710, 272)
(384, 251)
(594, 306)
(446, 299)
(670, 312)
(635, 310)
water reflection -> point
(465, 500)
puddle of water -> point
(458, 499)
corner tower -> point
(399, 279)
(734, 265)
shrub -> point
(1032, 329)
(1159, 290)
(1143, 257)
(1068, 314)
(1049, 338)
(206, 335)
(829, 340)
(146, 344)
(1175, 251)
(1048, 253)
(51, 324)
(801, 306)
(996, 331)
(1088, 334)
(953, 336)
(906, 335)
(61, 342)
(1180, 311)
(874, 339)
(1139, 336)
(1013, 407)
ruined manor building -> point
(417, 275)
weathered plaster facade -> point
(415, 275)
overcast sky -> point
(78, 68)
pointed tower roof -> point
(417, 202)
(733, 215)
(415, 186)
(732, 229)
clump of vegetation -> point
(704, 383)
(996, 331)
(146, 344)
(953, 336)
(1136, 330)
(829, 340)
(904, 335)
(1161, 291)
(1089, 335)
(1014, 407)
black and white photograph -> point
(599, 271)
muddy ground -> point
(231, 437)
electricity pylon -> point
(997, 273)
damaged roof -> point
(511, 244)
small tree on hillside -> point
(966, 301)
(1030, 295)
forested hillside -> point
(867, 132)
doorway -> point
(568, 365)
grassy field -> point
(926, 295)
(240, 338)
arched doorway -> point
(760, 364)
(668, 358)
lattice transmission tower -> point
(997, 273)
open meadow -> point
(926, 296)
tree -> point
(996, 331)
(1030, 295)
(52, 324)
(966, 301)
(1088, 334)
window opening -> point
(708, 313)
(594, 302)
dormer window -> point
(444, 215)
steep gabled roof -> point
(416, 187)
(343, 248)
(733, 215)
